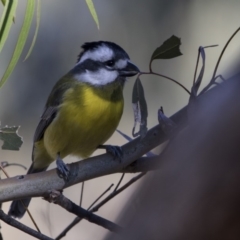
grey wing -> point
(46, 119)
(54, 100)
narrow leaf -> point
(7, 20)
(192, 106)
(137, 117)
(169, 49)
(38, 17)
(139, 109)
(3, 2)
(93, 11)
(11, 139)
(197, 84)
(21, 41)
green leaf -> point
(11, 139)
(21, 41)
(140, 111)
(3, 2)
(93, 11)
(169, 49)
(38, 16)
(7, 20)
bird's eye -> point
(110, 63)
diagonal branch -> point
(38, 184)
(11, 221)
(34, 185)
(67, 204)
(99, 205)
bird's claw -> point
(115, 151)
(62, 168)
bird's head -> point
(103, 62)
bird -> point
(82, 111)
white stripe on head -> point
(102, 54)
(99, 77)
(121, 63)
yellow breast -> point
(87, 118)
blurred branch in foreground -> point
(195, 194)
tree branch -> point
(37, 184)
(67, 204)
(196, 193)
(143, 164)
(99, 205)
(11, 221)
(34, 185)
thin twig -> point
(171, 79)
(94, 202)
(150, 66)
(68, 228)
(195, 73)
(29, 214)
(58, 198)
(2, 168)
(12, 222)
(78, 219)
(220, 57)
(212, 81)
(119, 182)
(108, 198)
(210, 46)
(7, 164)
(113, 194)
(81, 196)
(221, 77)
(31, 217)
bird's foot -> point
(63, 169)
(115, 151)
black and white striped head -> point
(103, 62)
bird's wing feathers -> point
(51, 108)
(54, 100)
(46, 118)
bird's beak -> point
(129, 71)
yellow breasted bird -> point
(82, 111)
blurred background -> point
(139, 27)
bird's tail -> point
(19, 207)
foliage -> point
(11, 139)
(93, 12)
(8, 17)
(20, 42)
(9, 135)
(169, 49)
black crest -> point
(90, 46)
